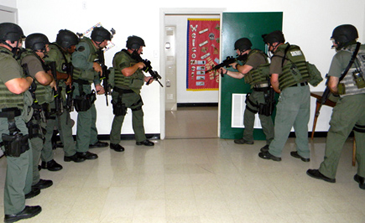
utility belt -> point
(6, 112)
(260, 87)
(299, 84)
(15, 143)
(83, 102)
(123, 91)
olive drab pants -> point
(257, 97)
(134, 102)
(86, 133)
(18, 173)
(292, 110)
(349, 110)
(64, 126)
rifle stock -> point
(57, 93)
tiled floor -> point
(192, 122)
(206, 180)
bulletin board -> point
(203, 36)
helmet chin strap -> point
(274, 48)
(14, 50)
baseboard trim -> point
(179, 105)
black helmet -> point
(10, 31)
(134, 42)
(99, 34)
(344, 33)
(242, 44)
(66, 38)
(273, 37)
(36, 41)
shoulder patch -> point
(81, 48)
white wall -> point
(306, 23)
(8, 3)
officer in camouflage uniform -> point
(86, 72)
(129, 79)
(289, 77)
(13, 84)
(348, 114)
(60, 53)
(258, 99)
(32, 61)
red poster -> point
(203, 53)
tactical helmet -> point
(273, 37)
(344, 33)
(134, 42)
(242, 44)
(36, 41)
(66, 38)
(99, 34)
(10, 31)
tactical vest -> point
(63, 61)
(294, 70)
(260, 74)
(43, 94)
(86, 74)
(7, 98)
(358, 69)
(135, 81)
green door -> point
(234, 26)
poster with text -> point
(202, 54)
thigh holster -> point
(84, 101)
(118, 107)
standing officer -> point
(129, 79)
(259, 100)
(289, 77)
(348, 114)
(87, 71)
(60, 53)
(14, 132)
(32, 61)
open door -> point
(234, 26)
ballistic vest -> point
(260, 74)
(135, 81)
(294, 66)
(43, 94)
(92, 57)
(348, 81)
(7, 98)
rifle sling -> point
(351, 61)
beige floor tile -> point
(194, 177)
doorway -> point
(185, 116)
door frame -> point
(11, 10)
(179, 11)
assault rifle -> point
(105, 76)
(148, 68)
(226, 63)
(69, 90)
(57, 93)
